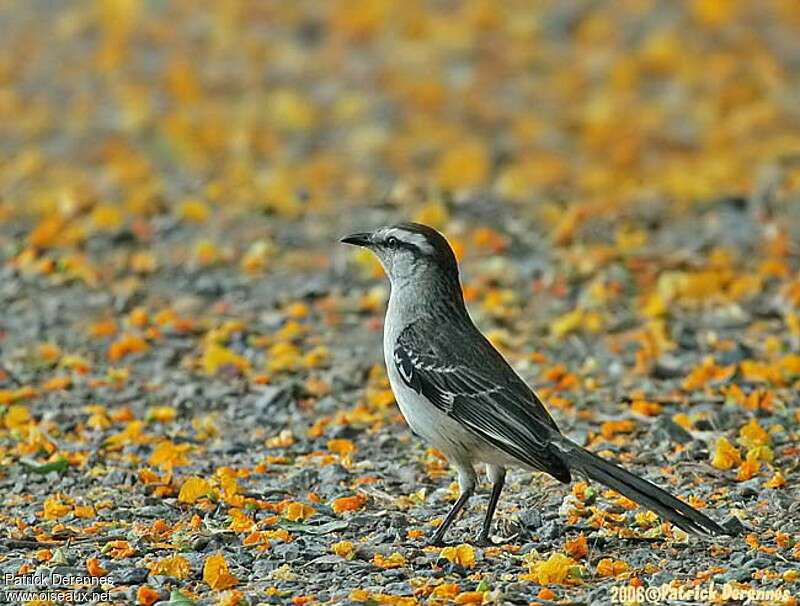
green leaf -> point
(176, 598)
(316, 529)
(60, 465)
(483, 586)
(59, 557)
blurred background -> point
(119, 110)
(144, 140)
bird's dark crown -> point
(424, 241)
(436, 240)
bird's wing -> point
(460, 372)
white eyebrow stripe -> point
(417, 240)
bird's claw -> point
(483, 541)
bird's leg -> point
(466, 481)
(497, 475)
(438, 538)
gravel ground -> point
(278, 436)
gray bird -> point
(458, 393)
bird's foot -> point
(484, 541)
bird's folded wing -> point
(469, 381)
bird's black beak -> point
(360, 239)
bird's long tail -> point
(640, 490)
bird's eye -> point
(392, 242)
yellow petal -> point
(192, 489)
(217, 574)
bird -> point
(459, 394)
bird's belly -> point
(430, 423)
(443, 432)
